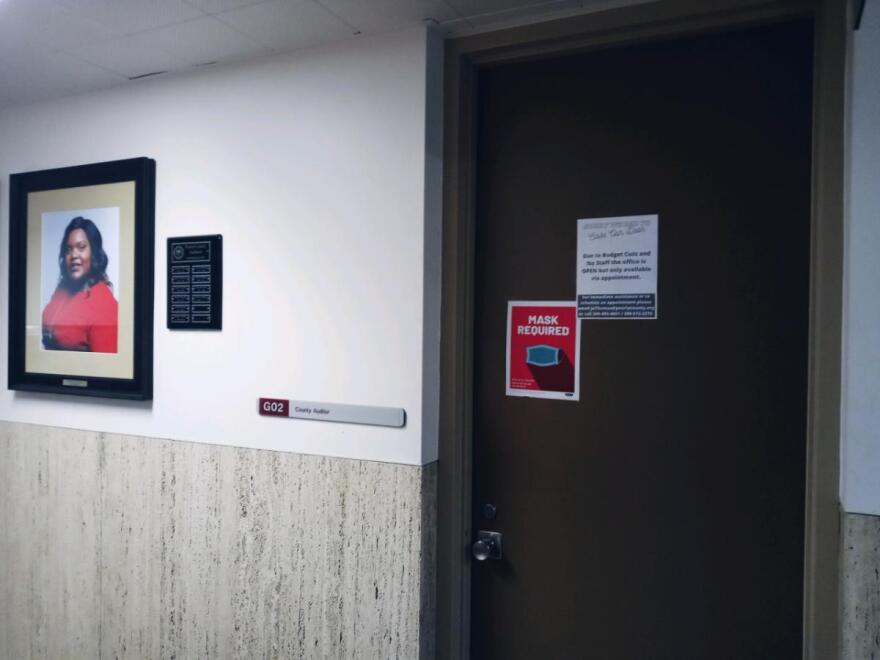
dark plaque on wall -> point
(195, 283)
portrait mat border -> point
(104, 365)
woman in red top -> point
(82, 314)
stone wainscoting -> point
(127, 547)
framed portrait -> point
(81, 279)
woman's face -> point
(78, 255)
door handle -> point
(487, 546)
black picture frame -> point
(40, 201)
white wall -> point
(313, 166)
(860, 478)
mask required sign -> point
(543, 350)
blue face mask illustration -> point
(543, 355)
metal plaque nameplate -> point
(195, 283)
(333, 412)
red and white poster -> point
(543, 350)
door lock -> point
(487, 546)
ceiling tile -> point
(203, 40)
(49, 48)
(129, 56)
(217, 6)
(50, 75)
(382, 15)
(129, 16)
(287, 24)
(15, 44)
(44, 25)
(469, 8)
(456, 28)
(533, 13)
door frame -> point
(615, 27)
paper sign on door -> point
(617, 267)
(543, 350)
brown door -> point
(662, 514)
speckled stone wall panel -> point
(132, 621)
(218, 552)
(861, 587)
(50, 541)
(428, 607)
